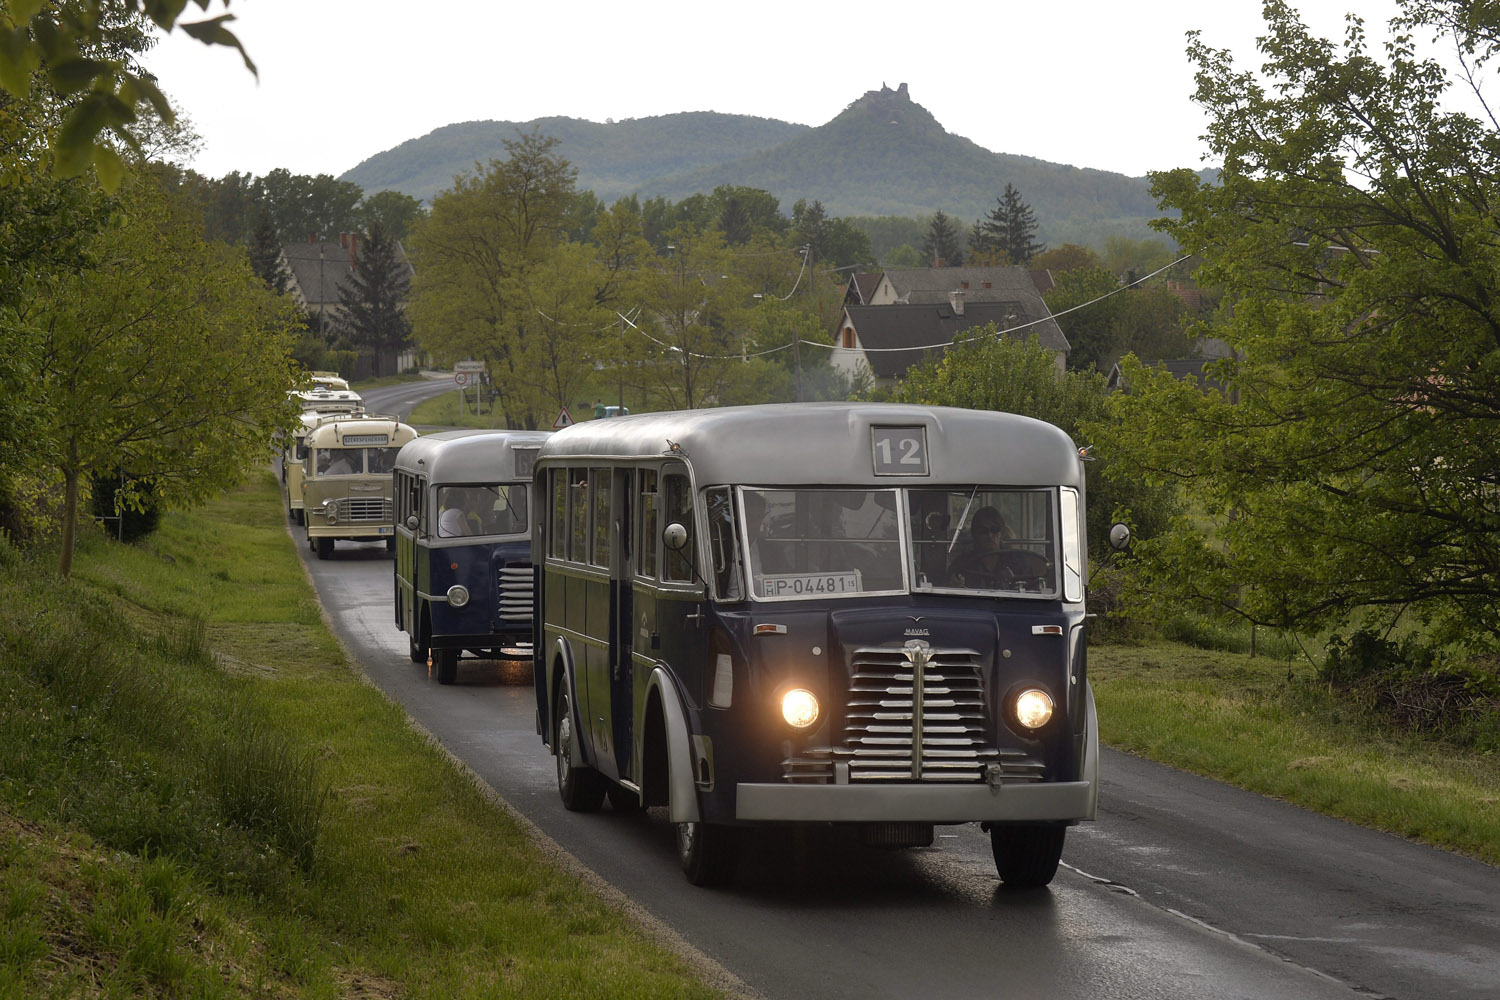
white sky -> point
(1091, 83)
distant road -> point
(400, 399)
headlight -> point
(1033, 708)
(458, 595)
(799, 707)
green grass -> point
(201, 798)
(1280, 732)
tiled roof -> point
(320, 269)
(881, 329)
(932, 284)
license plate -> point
(809, 584)
(385, 531)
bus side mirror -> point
(411, 521)
(1119, 537)
(675, 536)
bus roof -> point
(331, 430)
(804, 444)
(328, 400)
(469, 456)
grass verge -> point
(199, 797)
(1264, 727)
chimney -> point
(312, 238)
(343, 239)
(956, 300)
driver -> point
(982, 565)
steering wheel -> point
(1000, 569)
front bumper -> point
(887, 803)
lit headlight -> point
(799, 707)
(1033, 708)
(458, 595)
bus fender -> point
(1091, 751)
(562, 660)
(683, 797)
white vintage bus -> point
(819, 613)
(346, 484)
(315, 402)
(463, 574)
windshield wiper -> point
(961, 519)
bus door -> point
(671, 603)
(621, 669)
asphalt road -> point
(1184, 888)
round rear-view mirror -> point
(675, 536)
(1119, 537)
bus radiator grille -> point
(517, 592)
(914, 714)
(362, 510)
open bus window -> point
(984, 538)
(822, 543)
(678, 508)
(723, 545)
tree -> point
(372, 304)
(940, 246)
(1068, 257)
(392, 211)
(1104, 320)
(1007, 233)
(1351, 467)
(832, 241)
(85, 50)
(474, 258)
(265, 255)
(165, 356)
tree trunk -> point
(69, 519)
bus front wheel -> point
(1026, 856)
(580, 786)
(325, 548)
(709, 852)
(446, 662)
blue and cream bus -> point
(819, 613)
(463, 577)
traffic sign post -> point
(564, 419)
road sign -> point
(462, 378)
(564, 419)
(469, 366)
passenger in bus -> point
(338, 465)
(460, 514)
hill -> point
(883, 155)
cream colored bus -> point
(316, 402)
(346, 484)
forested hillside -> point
(884, 155)
(614, 160)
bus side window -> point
(679, 508)
(649, 534)
(599, 556)
(578, 515)
(557, 522)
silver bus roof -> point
(468, 456)
(829, 443)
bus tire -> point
(580, 787)
(446, 663)
(622, 799)
(297, 517)
(390, 545)
(325, 548)
(709, 852)
(1026, 856)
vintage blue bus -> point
(463, 576)
(819, 613)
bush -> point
(125, 503)
(1419, 687)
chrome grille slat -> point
(517, 592)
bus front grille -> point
(517, 593)
(364, 510)
(914, 714)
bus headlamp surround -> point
(799, 708)
(458, 595)
(1033, 708)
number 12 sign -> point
(899, 451)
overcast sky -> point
(1081, 82)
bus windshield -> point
(844, 542)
